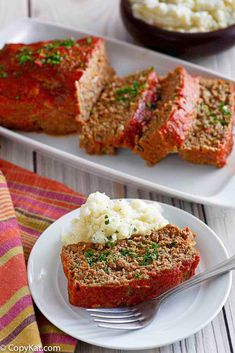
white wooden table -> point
(103, 17)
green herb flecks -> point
(68, 43)
(92, 258)
(150, 255)
(106, 219)
(217, 120)
(138, 275)
(126, 94)
(47, 54)
(53, 58)
(89, 40)
(3, 74)
(110, 244)
(224, 109)
(103, 256)
(25, 55)
(127, 252)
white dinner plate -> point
(180, 316)
(172, 176)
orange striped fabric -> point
(28, 205)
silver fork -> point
(141, 315)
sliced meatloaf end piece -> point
(211, 139)
(173, 117)
(129, 271)
(46, 86)
(94, 79)
(123, 109)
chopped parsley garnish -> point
(90, 257)
(110, 244)
(70, 42)
(89, 40)
(25, 55)
(103, 256)
(216, 119)
(150, 255)
(53, 58)
(3, 74)
(224, 109)
(47, 54)
(93, 258)
(127, 93)
(17, 97)
(155, 246)
(127, 252)
(106, 219)
(138, 275)
(124, 252)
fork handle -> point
(215, 271)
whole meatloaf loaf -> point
(48, 85)
(131, 270)
(124, 108)
(211, 139)
(172, 119)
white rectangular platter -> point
(172, 176)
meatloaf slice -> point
(131, 270)
(122, 111)
(211, 139)
(172, 119)
(47, 85)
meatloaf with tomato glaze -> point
(172, 119)
(131, 270)
(120, 114)
(48, 85)
(211, 139)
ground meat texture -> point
(211, 139)
(124, 108)
(172, 119)
(46, 86)
(131, 270)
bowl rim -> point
(126, 7)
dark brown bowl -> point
(176, 43)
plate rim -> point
(200, 327)
(217, 199)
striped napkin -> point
(28, 205)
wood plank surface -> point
(102, 16)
